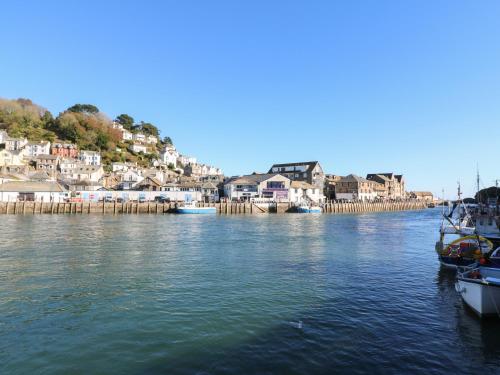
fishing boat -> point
(479, 288)
(191, 208)
(463, 251)
(305, 208)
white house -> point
(139, 137)
(90, 157)
(14, 144)
(67, 164)
(3, 136)
(126, 135)
(137, 147)
(91, 173)
(117, 125)
(15, 157)
(32, 191)
(271, 186)
(151, 139)
(33, 149)
(185, 160)
(130, 179)
(301, 191)
(169, 155)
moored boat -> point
(305, 208)
(463, 251)
(191, 208)
(479, 288)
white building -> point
(139, 137)
(14, 144)
(301, 191)
(151, 139)
(169, 155)
(32, 191)
(90, 157)
(3, 136)
(130, 179)
(137, 147)
(68, 164)
(126, 135)
(271, 186)
(185, 160)
(91, 173)
(33, 149)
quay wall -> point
(222, 208)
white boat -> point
(305, 208)
(479, 288)
(191, 208)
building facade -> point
(310, 172)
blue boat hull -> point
(196, 210)
(312, 210)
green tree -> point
(84, 108)
(147, 128)
(102, 141)
(168, 141)
(125, 120)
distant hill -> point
(82, 124)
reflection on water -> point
(193, 294)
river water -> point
(270, 294)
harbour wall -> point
(222, 208)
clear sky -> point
(362, 86)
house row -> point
(137, 137)
(271, 187)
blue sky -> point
(371, 86)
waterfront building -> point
(64, 150)
(40, 191)
(310, 172)
(330, 183)
(301, 191)
(90, 157)
(149, 184)
(394, 185)
(130, 179)
(426, 196)
(353, 187)
(209, 192)
(270, 186)
(14, 144)
(33, 149)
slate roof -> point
(310, 164)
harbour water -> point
(268, 294)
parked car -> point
(162, 199)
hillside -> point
(82, 124)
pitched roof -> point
(31, 187)
(353, 178)
(311, 165)
(253, 178)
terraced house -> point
(393, 184)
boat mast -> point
(459, 205)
